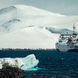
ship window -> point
(60, 41)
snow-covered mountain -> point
(19, 16)
(24, 26)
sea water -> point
(52, 64)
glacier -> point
(23, 26)
(25, 63)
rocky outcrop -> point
(11, 72)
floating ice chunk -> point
(29, 62)
(14, 62)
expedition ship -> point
(68, 42)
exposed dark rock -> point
(11, 72)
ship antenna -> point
(74, 28)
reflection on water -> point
(50, 74)
(52, 64)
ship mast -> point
(74, 28)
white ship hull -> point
(66, 47)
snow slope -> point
(24, 26)
(31, 37)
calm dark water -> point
(52, 64)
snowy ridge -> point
(6, 10)
(34, 11)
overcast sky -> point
(67, 7)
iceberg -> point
(27, 62)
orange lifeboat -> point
(70, 39)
